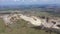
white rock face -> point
(7, 20)
(33, 20)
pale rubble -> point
(34, 20)
(7, 20)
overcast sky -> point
(11, 2)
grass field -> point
(20, 28)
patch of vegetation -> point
(20, 28)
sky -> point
(22, 2)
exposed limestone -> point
(34, 20)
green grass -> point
(19, 28)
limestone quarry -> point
(34, 20)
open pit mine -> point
(42, 22)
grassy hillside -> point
(19, 28)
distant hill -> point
(47, 8)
